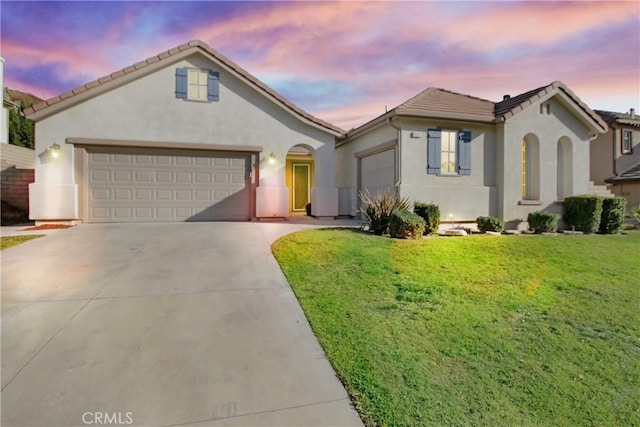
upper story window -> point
(197, 85)
(448, 152)
(627, 141)
(198, 81)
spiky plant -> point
(377, 208)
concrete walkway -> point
(161, 325)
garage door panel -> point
(377, 172)
(185, 186)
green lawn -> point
(480, 330)
(9, 241)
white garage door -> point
(143, 185)
(378, 172)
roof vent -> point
(632, 113)
(505, 97)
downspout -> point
(399, 155)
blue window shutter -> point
(213, 86)
(433, 151)
(181, 83)
(464, 153)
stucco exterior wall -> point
(549, 128)
(147, 109)
(347, 164)
(601, 158)
(460, 197)
(630, 191)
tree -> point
(21, 129)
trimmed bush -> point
(490, 223)
(405, 224)
(543, 222)
(612, 217)
(431, 215)
(377, 209)
(583, 212)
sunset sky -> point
(342, 61)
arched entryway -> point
(300, 178)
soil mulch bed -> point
(48, 227)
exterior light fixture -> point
(272, 158)
(55, 150)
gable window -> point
(197, 85)
(627, 142)
(448, 152)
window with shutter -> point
(433, 151)
(197, 85)
(448, 152)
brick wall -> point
(15, 186)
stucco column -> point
(325, 195)
(272, 195)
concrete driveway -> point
(160, 325)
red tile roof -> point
(193, 45)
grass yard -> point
(480, 330)
(9, 241)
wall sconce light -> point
(55, 150)
(272, 158)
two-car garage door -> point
(143, 185)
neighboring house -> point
(186, 135)
(189, 135)
(7, 104)
(615, 156)
(471, 156)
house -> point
(185, 135)
(472, 156)
(615, 156)
(7, 104)
(189, 135)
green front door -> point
(301, 186)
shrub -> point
(377, 209)
(405, 224)
(543, 222)
(612, 217)
(583, 212)
(490, 223)
(431, 215)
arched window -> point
(530, 168)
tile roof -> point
(621, 118)
(193, 45)
(441, 102)
(512, 106)
(631, 174)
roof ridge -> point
(191, 44)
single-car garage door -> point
(142, 185)
(378, 172)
